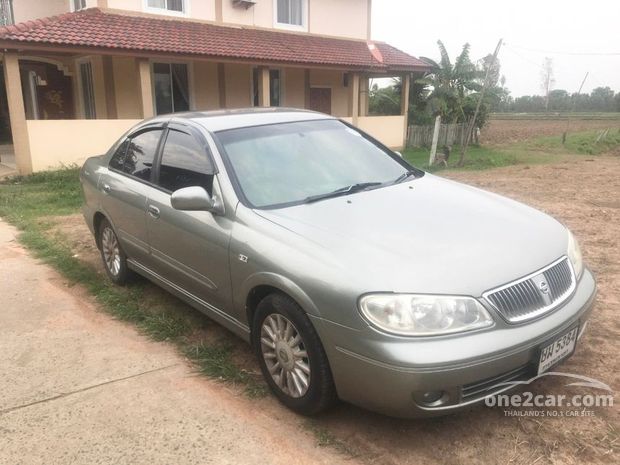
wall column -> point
(364, 95)
(354, 100)
(264, 97)
(17, 113)
(145, 86)
(404, 104)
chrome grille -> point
(535, 294)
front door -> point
(189, 248)
(321, 99)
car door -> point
(124, 187)
(189, 247)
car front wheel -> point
(291, 356)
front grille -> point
(490, 385)
(535, 294)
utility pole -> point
(470, 126)
(573, 109)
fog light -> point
(431, 398)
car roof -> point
(222, 120)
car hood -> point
(429, 235)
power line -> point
(568, 53)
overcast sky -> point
(569, 32)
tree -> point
(602, 99)
(384, 100)
(450, 83)
(547, 79)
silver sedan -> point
(352, 274)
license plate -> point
(557, 350)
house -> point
(78, 73)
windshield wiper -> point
(360, 186)
(404, 176)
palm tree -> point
(451, 83)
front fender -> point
(281, 283)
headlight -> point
(423, 315)
(574, 255)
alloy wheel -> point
(285, 355)
(111, 251)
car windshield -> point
(291, 163)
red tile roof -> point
(107, 30)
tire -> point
(112, 255)
(288, 346)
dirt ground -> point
(507, 131)
(584, 193)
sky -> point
(580, 37)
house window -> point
(171, 85)
(172, 6)
(78, 4)
(6, 13)
(275, 87)
(88, 92)
(291, 13)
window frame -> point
(81, 89)
(292, 27)
(254, 89)
(165, 11)
(190, 81)
(72, 6)
(189, 130)
(151, 127)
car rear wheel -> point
(114, 259)
(291, 356)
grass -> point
(579, 115)
(34, 203)
(538, 150)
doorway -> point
(321, 99)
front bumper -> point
(388, 374)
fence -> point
(449, 134)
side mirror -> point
(195, 198)
(398, 153)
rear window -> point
(135, 156)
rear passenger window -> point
(184, 163)
(141, 153)
(118, 159)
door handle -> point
(153, 211)
(106, 188)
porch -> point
(67, 102)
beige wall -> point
(205, 86)
(346, 18)
(294, 90)
(48, 147)
(128, 104)
(238, 85)
(343, 18)
(389, 130)
(25, 10)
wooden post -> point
(470, 126)
(145, 87)
(264, 97)
(17, 113)
(404, 104)
(431, 159)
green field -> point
(539, 150)
(613, 116)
